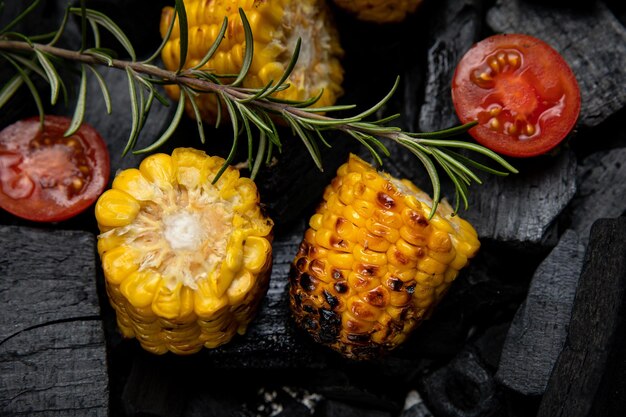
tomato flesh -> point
(47, 177)
(520, 90)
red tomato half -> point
(522, 92)
(46, 177)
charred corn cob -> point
(380, 11)
(276, 26)
(186, 262)
(372, 265)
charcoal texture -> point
(456, 28)
(590, 38)
(539, 329)
(602, 190)
(52, 348)
(587, 379)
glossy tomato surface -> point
(46, 177)
(521, 91)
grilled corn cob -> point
(372, 265)
(380, 11)
(276, 26)
(186, 262)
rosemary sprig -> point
(249, 109)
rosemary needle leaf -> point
(453, 131)
(10, 88)
(170, 130)
(134, 107)
(83, 25)
(61, 29)
(20, 36)
(381, 103)
(184, 33)
(259, 156)
(288, 70)
(234, 120)
(96, 33)
(31, 65)
(111, 26)
(214, 46)
(19, 17)
(79, 112)
(53, 76)
(196, 112)
(468, 161)
(166, 39)
(249, 49)
(309, 142)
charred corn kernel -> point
(380, 11)
(365, 301)
(186, 262)
(276, 26)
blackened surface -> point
(586, 379)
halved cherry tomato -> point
(46, 177)
(522, 92)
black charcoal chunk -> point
(523, 207)
(283, 401)
(589, 378)
(539, 329)
(52, 348)
(462, 388)
(414, 406)
(154, 388)
(456, 28)
(590, 38)
(601, 190)
(332, 408)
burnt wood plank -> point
(589, 376)
(590, 38)
(52, 349)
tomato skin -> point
(45, 177)
(521, 91)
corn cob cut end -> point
(377, 11)
(186, 262)
(276, 27)
(372, 265)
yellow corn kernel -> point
(159, 170)
(275, 25)
(116, 208)
(118, 263)
(140, 286)
(132, 182)
(188, 267)
(400, 265)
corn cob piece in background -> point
(276, 26)
(372, 265)
(380, 11)
(186, 262)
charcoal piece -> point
(414, 406)
(523, 207)
(601, 190)
(332, 408)
(153, 388)
(539, 329)
(591, 40)
(52, 348)
(589, 378)
(283, 401)
(462, 388)
(457, 27)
